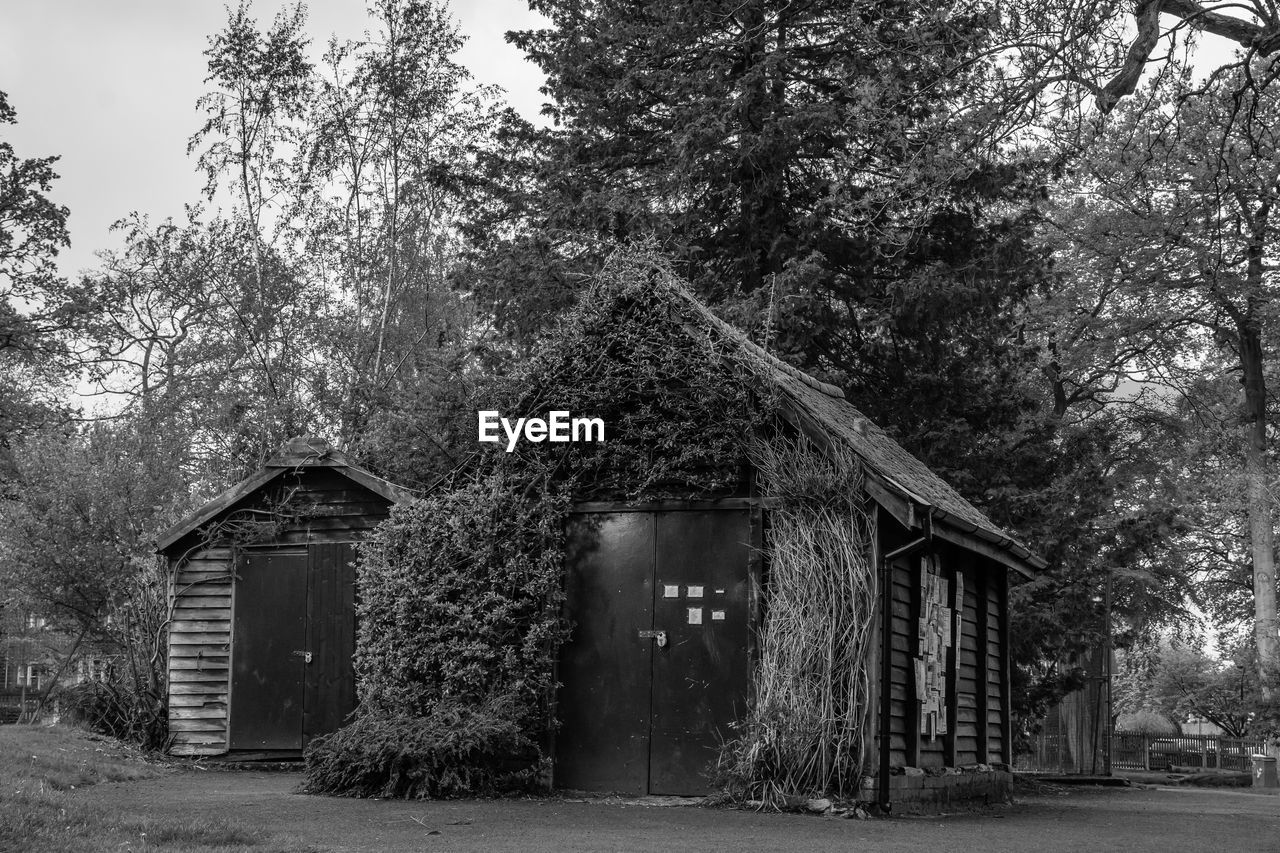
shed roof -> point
(896, 476)
(297, 453)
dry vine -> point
(808, 732)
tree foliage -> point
(34, 315)
(1174, 206)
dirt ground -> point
(1077, 819)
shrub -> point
(116, 708)
(457, 750)
(460, 600)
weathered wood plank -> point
(950, 573)
(201, 597)
(211, 662)
(200, 626)
(201, 700)
(197, 713)
(198, 676)
(194, 750)
(207, 638)
(199, 689)
(212, 651)
(204, 561)
(981, 689)
(195, 603)
(213, 554)
(200, 737)
(188, 584)
(914, 568)
(187, 616)
(188, 726)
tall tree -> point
(194, 331)
(1177, 203)
(259, 84)
(386, 168)
(771, 147)
(827, 175)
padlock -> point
(660, 636)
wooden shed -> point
(668, 600)
(262, 586)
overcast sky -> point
(111, 86)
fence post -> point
(1146, 754)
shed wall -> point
(976, 693)
(199, 653)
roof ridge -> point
(905, 472)
(727, 328)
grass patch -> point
(42, 769)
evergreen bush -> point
(457, 749)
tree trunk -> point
(1261, 532)
(760, 171)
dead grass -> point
(43, 768)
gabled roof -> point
(297, 453)
(896, 479)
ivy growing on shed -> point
(461, 592)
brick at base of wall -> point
(913, 791)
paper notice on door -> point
(717, 615)
(670, 590)
(695, 592)
(695, 615)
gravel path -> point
(1161, 820)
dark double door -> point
(657, 665)
(293, 638)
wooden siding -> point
(332, 509)
(978, 725)
(200, 653)
(997, 676)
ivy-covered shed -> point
(732, 633)
(747, 584)
(262, 590)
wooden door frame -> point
(239, 553)
(755, 508)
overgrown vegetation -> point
(459, 603)
(808, 730)
(457, 748)
(461, 591)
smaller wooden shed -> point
(262, 587)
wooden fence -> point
(1052, 752)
